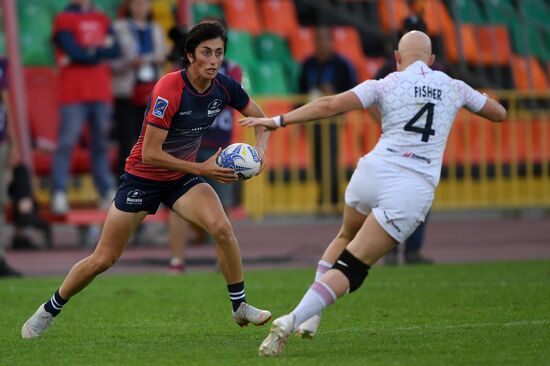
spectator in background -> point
(135, 72)
(9, 154)
(324, 73)
(218, 135)
(414, 243)
(84, 41)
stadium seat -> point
(500, 12)
(392, 13)
(464, 47)
(528, 74)
(494, 45)
(269, 79)
(242, 15)
(240, 48)
(302, 43)
(467, 12)
(528, 41)
(347, 42)
(279, 17)
(369, 67)
(272, 47)
(535, 11)
(437, 18)
(204, 10)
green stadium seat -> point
(240, 48)
(467, 11)
(2, 43)
(501, 12)
(204, 10)
(271, 47)
(269, 79)
(109, 7)
(535, 11)
(528, 41)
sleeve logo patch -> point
(160, 107)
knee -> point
(102, 262)
(353, 268)
(221, 231)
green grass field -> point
(494, 313)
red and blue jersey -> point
(186, 114)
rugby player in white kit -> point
(393, 186)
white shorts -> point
(398, 197)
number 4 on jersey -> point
(427, 130)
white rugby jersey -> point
(418, 107)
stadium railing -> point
(486, 165)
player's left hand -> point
(261, 153)
(268, 123)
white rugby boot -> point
(37, 323)
(247, 313)
(309, 327)
(273, 344)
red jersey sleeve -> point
(165, 100)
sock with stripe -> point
(55, 304)
(322, 267)
(236, 294)
(316, 299)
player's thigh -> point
(372, 242)
(200, 205)
(353, 220)
(118, 228)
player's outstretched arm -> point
(317, 109)
(493, 110)
(261, 134)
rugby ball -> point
(242, 158)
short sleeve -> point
(471, 99)
(367, 92)
(165, 101)
(238, 98)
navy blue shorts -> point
(140, 194)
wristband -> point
(278, 121)
(283, 124)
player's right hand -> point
(211, 169)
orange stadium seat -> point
(494, 45)
(469, 48)
(279, 17)
(347, 42)
(392, 13)
(528, 74)
(302, 43)
(242, 15)
(369, 67)
(288, 147)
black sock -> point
(55, 304)
(236, 294)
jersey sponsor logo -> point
(411, 155)
(391, 222)
(185, 113)
(160, 107)
(135, 197)
(214, 107)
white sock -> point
(316, 299)
(322, 267)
